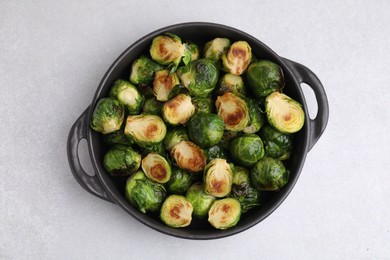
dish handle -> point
(89, 183)
(305, 75)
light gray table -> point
(53, 55)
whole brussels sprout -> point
(257, 118)
(176, 211)
(215, 152)
(118, 137)
(227, 137)
(237, 58)
(233, 110)
(200, 200)
(203, 104)
(152, 106)
(178, 110)
(142, 70)
(206, 130)
(175, 136)
(180, 181)
(144, 194)
(218, 178)
(277, 144)
(156, 168)
(121, 160)
(243, 190)
(284, 113)
(189, 156)
(231, 83)
(192, 52)
(247, 149)
(107, 116)
(128, 95)
(163, 83)
(200, 77)
(214, 49)
(264, 77)
(146, 130)
(225, 213)
(167, 49)
(269, 174)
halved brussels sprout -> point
(175, 136)
(189, 156)
(107, 116)
(214, 49)
(233, 110)
(257, 118)
(156, 168)
(276, 144)
(180, 181)
(215, 152)
(176, 211)
(200, 200)
(146, 130)
(152, 106)
(203, 104)
(269, 174)
(163, 83)
(200, 77)
(167, 50)
(243, 191)
(144, 194)
(225, 213)
(206, 130)
(237, 58)
(218, 178)
(264, 77)
(118, 137)
(128, 95)
(178, 110)
(284, 113)
(121, 160)
(233, 84)
(142, 70)
(247, 149)
(191, 52)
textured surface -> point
(52, 57)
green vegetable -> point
(214, 49)
(153, 148)
(121, 160)
(203, 104)
(247, 149)
(192, 52)
(233, 84)
(188, 156)
(175, 136)
(206, 130)
(237, 58)
(128, 95)
(200, 77)
(257, 118)
(167, 50)
(264, 77)
(144, 194)
(227, 137)
(277, 144)
(215, 152)
(233, 110)
(142, 70)
(284, 113)
(176, 211)
(200, 200)
(152, 106)
(178, 110)
(218, 178)
(269, 174)
(163, 83)
(146, 130)
(225, 213)
(156, 168)
(180, 181)
(107, 116)
(117, 137)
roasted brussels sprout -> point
(180, 181)
(218, 178)
(233, 110)
(167, 50)
(237, 58)
(269, 174)
(215, 152)
(191, 53)
(203, 104)
(142, 70)
(128, 95)
(152, 106)
(227, 137)
(107, 116)
(163, 83)
(144, 194)
(175, 136)
(153, 148)
(264, 77)
(206, 130)
(231, 83)
(247, 149)
(225, 213)
(118, 137)
(284, 113)
(176, 211)
(156, 168)
(178, 110)
(146, 130)
(243, 190)
(121, 160)
(257, 118)
(200, 200)
(276, 144)
(214, 49)
(189, 156)
(200, 77)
